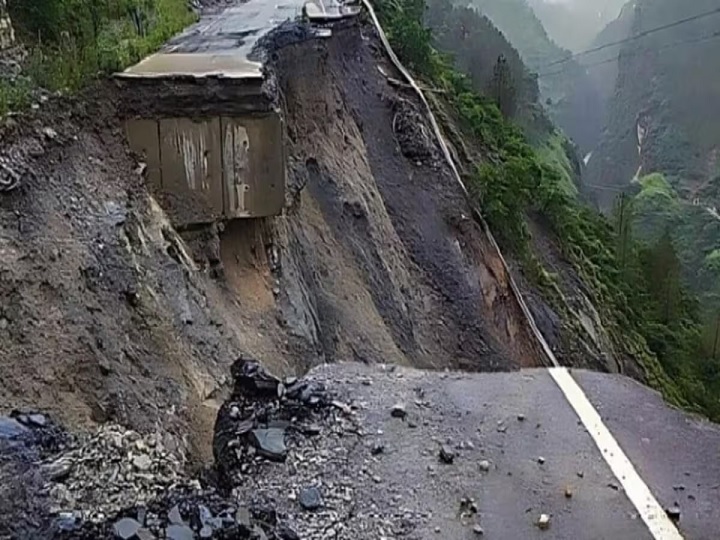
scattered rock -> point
(310, 498)
(447, 454)
(541, 460)
(142, 462)
(543, 522)
(271, 443)
(484, 465)
(242, 517)
(568, 492)
(11, 428)
(398, 411)
(673, 512)
(144, 534)
(174, 516)
(521, 417)
(179, 532)
(477, 529)
(377, 448)
(58, 470)
(37, 420)
(284, 532)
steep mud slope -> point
(379, 242)
(108, 313)
(104, 315)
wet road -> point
(224, 42)
(542, 460)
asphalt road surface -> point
(520, 451)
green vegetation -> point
(553, 153)
(636, 288)
(71, 42)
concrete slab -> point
(224, 42)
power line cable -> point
(636, 36)
(616, 58)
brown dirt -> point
(401, 273)
(107, 313)
(106, 317)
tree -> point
(662, 269)
(502, 88)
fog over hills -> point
(573, 24)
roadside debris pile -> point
(260, 417)
(300, 446)
(26, 439)
(110, 470)
(187, 515)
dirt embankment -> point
(107, 313)
(379, 244)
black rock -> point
(398, 411)
(447, 454)
(673, 512)
(270, 443)
(252, 379)
(68, 522)
(310, 498)
(126, 528)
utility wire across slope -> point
(635, 37)
(616, 58)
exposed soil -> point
(381, 236)
(108, 313)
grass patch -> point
(72, 42)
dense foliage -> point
(73, 41)
(636, 287)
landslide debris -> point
(111, 316)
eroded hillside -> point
(376, 258)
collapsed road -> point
(368, 452)
(353, 451)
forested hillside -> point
(661, 140)
(667, 86)
(566, 90)
(66, 43)
(651, 318)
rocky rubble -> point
(110, 470)
(310, 474)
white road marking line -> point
(635, 488)
(637, 491)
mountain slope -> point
(573, 24)
(566, 90)
(667, 87)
